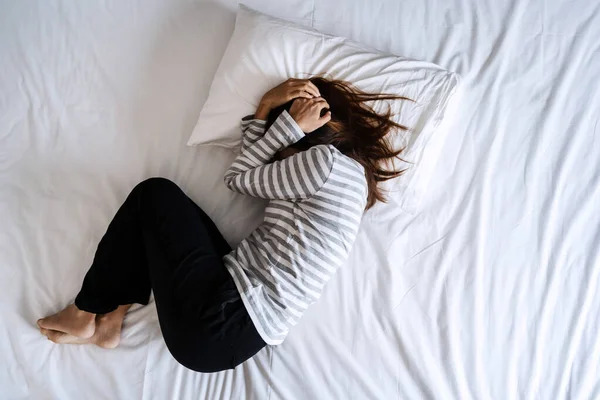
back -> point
(310, 224)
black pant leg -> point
(221, 246)
(161, 240)
(184, 247)
(120, 271)
(196, 299)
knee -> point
(155, 185)
(154, 190)
(200, 361)
(197, 353)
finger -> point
(293, 84)
(298, 86)
(309, 91)
(312, 88)
(319, 99)
(326, 117)
(302, 85)
(310, 94)
(301, 94)
(298, 82)
(320, 102)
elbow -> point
(227, 179)
(230, 180)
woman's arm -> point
(296, 177)
(252, 130)
(253, 127)
(284, 92)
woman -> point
(313, 148)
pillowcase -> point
(265, 51)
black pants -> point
(160, 240)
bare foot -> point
(108, 331)
(106, 335)
(71, 320)
(64, 338)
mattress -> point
(487, 288)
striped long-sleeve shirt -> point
(317, 199)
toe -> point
(45, 323)
(54, 336)
(108, 343)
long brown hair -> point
(356, 130)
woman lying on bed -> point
(313, 149)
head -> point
(355, 129)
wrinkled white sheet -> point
(488, 289)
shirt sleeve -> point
(252, 130)
(296, 177)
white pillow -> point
(264, 51)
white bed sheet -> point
(487, 290)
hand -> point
(307, 113)
(287, 91)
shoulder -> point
(346, 164)
(348, 171)
(342, 166)
(328, 158)
(319, 155)
(323, 151)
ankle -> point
(81, 313)
(110, 317)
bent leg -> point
(156, 207)
(161, 240)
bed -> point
(487, 287)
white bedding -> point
(487, 289)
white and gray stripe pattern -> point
(317, 199)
